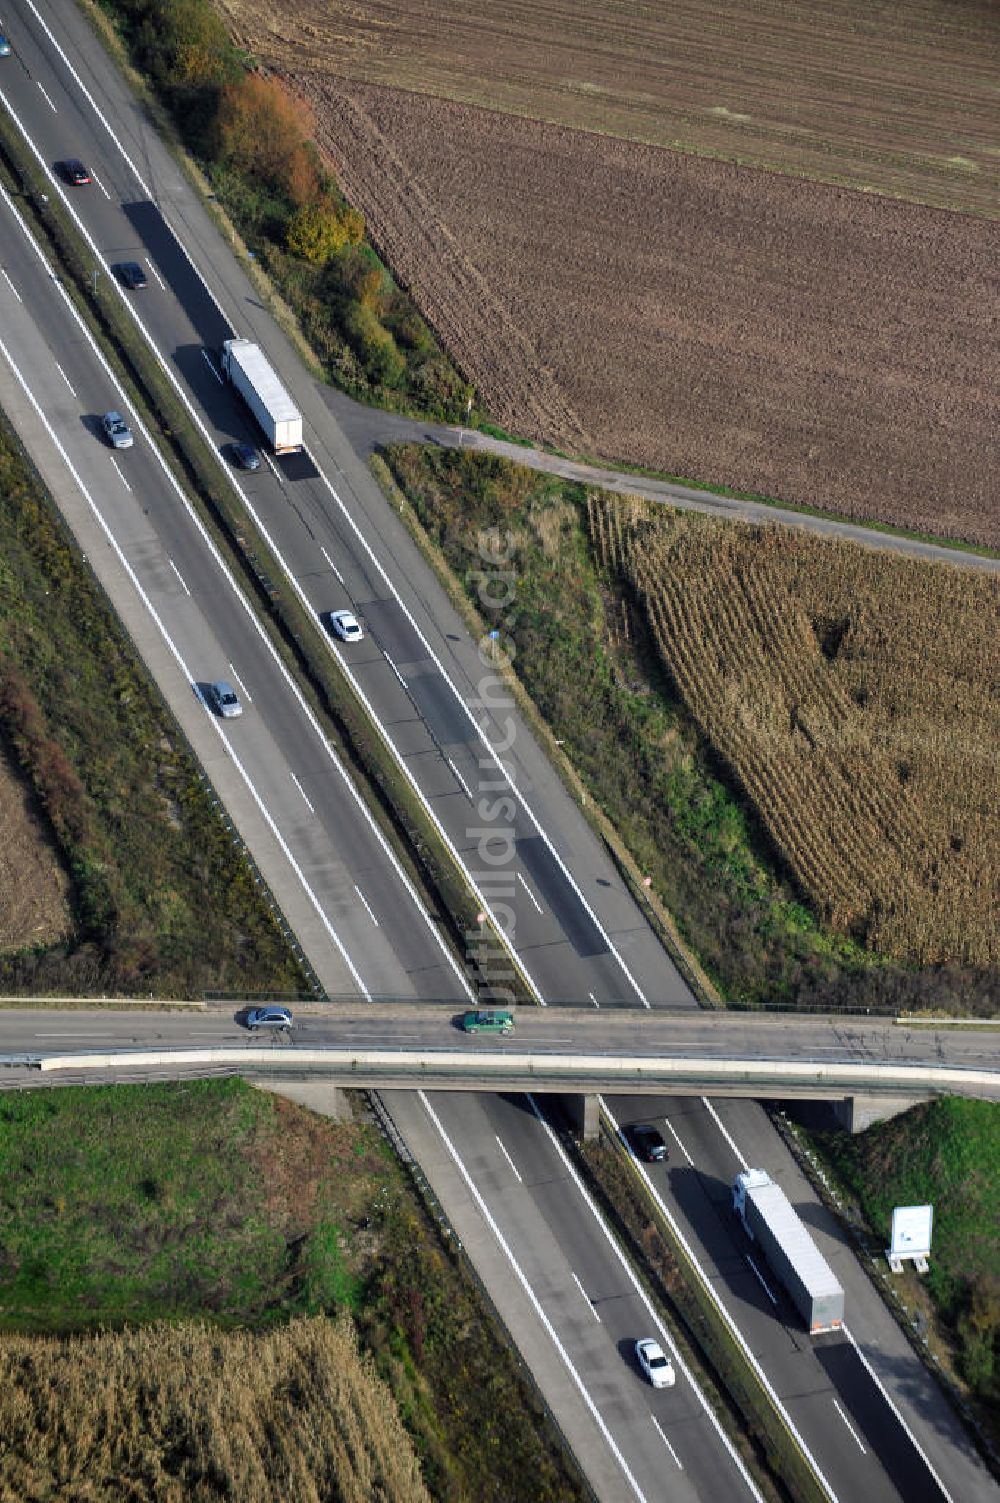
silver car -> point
(223, 699)
(118, 431)
(269, 1017)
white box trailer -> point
(247, 367)
(769, 1218)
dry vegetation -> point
(898, 98)
(34, 887)
(855, 696)
(712, 321)
(181, 1414)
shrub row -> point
(253, 140)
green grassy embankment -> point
(126, 1206)
(163, 900)
(946, 1153)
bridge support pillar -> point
(584, 1113)
(855, 1113)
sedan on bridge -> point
(269, 1017)
(487, 1021)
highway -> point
(573, 925)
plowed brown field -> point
(736, 327)
(815, 344)
(899, 96)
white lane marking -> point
(532, 1296)
(179, 576)
(495, 758)
(155, 274)
(161, 628)
(895, 1409)
(673, 1133)
(302, 791)
(724, 1313)
(854, 1433)
(243, 687)
(590, 1303)
(48, 101)
(271, 465)
(395, 670)
(64, 376)
(121, 477)
(368, 906)
(434, 929)
(761, 1280)
(97, 180)
(528, 890)
(330, 561)
(10, 284)
(465, 787)
(513, 1167)
(212, 367)
(593, 999)
(718, 1122)
(666, 1442)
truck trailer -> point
(770, 1220)
(247, 367)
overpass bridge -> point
(873, 1067)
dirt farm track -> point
(803, 340)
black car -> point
(131, 274)
(647, 1143)
(244, 456)
(74, 172)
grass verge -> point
(125, 1206)
(585, 657)
(295, 633)
(945, 1153)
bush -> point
(261, 129)
(374, 346)
(315, 232)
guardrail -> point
(445, 1069)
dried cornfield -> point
(185, 1414)
(855, 696)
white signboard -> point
(911, 1231)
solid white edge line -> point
(497, 762)
(734, 1330)
(644, 1297)
(197, 522)
(896, 1411)
(536, 1305)
(175, 653)
(290, 577)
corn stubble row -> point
(854, 696)
(182, 1413)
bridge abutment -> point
(855, 1113)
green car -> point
(488, 1022)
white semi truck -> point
(770, 1220)
(247, 367)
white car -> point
(345, 625)
(657, 1367)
